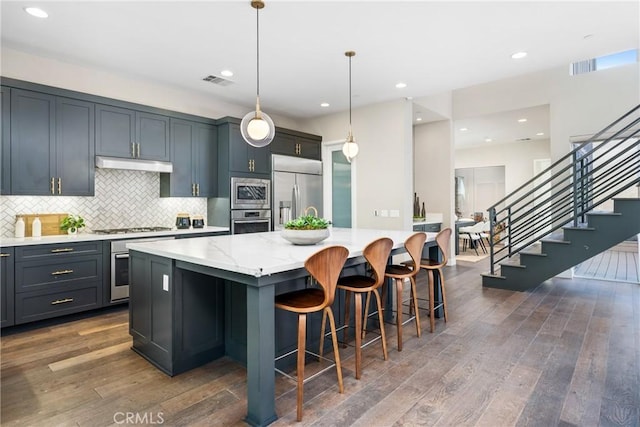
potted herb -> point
(307, 229)
(72, 223)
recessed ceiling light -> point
(418, 119)
(522, 120)
(401, 85)
(488, 140)
(324, 104)
(36, 11)
(463, 129)
(540, 134)
(226, 73)
(518, 55)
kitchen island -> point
(197, 299)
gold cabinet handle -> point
(61, 301)
(3, 255)
(55, 251)
(138, 150)
(53, 180)
(60, 272)
(197, 189)
(133, 149)
(59, 185)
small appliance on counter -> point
(198, 221)
(183, 221)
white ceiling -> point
(431, 46)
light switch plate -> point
(395, 213)
(384, 212)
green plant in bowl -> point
(307, 222)
(72, 223)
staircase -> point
(583, 204)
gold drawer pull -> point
(57, 273)
(54, 251)
(4, 255)
(61, 301)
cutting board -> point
(50, 223)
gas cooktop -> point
(130, 230)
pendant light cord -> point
(257, 52)
(350, 93)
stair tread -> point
(604, 213)
(493, 276)
(539, 254)
(566, 242)
(513, 265)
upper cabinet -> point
(5, 147)
(194, 155)
(244, 158)
(296, 145)
(127, 133)
(52, 145)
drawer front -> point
(31, 306)
(57, 251)
(432, 227)
(31, 276)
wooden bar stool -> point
(376, 253)
(443, 239)
(414, 245)
(325, 267)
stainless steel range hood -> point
(133, 164)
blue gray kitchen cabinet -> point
(121, 132)
(52, 145)
(297, 145)
(194, 155)
(5, 147)
(57, 279)
(7, 287)
(432, 228)
(243, 158)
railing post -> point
(575, 187)
(508, 228)
(492, 224)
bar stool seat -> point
(325, 267)
(377, 254)
(413, 245)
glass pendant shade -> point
(350, 150)
(257, 129)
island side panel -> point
(260, 355)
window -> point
(604, 62)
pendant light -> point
(257, 127)
(350, 148)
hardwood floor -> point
(564, 354)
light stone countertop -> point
(86, 237)
(261, 254)
(429, 218)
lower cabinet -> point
(432, 228)
(176, 317)
(7, 286)
(55, 280)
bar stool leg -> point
(414, 299)
(336, 353)
(347, 317)
(399, 312)
(322, 332)
(358, 333)
(432, 314)
(302, 332)
(443, 293)
(381, 322)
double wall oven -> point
(250, 205)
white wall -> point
(51, 72)
(384, 165)
(517, 158)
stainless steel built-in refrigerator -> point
(297, 185)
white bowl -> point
(305, 237)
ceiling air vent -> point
(217, 80)
(523, 139)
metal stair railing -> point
(593, 173)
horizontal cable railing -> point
(586, 178)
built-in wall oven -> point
(120, 266)
(250, 193)
(250, 205)
(250, 221)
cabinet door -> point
(75, 163)
(261, 159)
(7, 287)
(180, 182)
(284, 144)
(205, 162)
(152, 133)
(32, 142)
(5, 148)
(309, 148)
(238, 150)
(115, 129)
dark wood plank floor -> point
(567, 353)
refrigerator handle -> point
(295, 202)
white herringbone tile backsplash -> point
(122, 198)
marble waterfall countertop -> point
(260, 254)
(85, 237)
